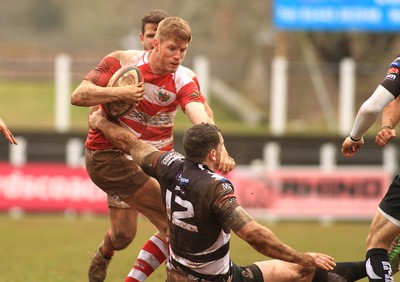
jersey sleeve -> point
(187, 88)
(189, 93)
(224, 202)
(156, 164)
(392, 79)
(202, 98)
(102, 73)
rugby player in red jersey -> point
(166, 85)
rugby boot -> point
(394, 255)
(98, 268)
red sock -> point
(152, 254)
(107, 248)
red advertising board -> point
(305, 193)
(294, 193)
(49, 187)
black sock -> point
(348, 271)
(378, 266)
(351, 271)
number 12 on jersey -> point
(176, 216)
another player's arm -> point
(7, 133)
(384, 94)
(196, 113)
(366, 116)
(120, 137)
(227, 163)
(261, 238)
(390, 118)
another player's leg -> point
(382, 233)
(108, 170)
(148, 202)
(123, 221)
(384, 228)
(277, 270)
(153, 253)
(347, 271)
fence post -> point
(389, 159)
(271, 155)
(62, 95)
(279, 82)
(346, 95)
(202, 70)
(327, 157)
(18, 154)
(74, 156)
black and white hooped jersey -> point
(199, 240)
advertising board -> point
(284, 194)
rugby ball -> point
(124, 76)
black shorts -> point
(390, 203)
(250, 273)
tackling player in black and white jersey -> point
(202, 209)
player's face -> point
(171, 53)
(147, 37)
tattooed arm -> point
(260, 237)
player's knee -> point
(122, 239)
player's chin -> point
(173, 67)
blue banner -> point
(337, 15)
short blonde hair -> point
(174, 27)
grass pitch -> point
(53, 248)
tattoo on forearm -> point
(238, 219)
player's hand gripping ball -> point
(122, 77)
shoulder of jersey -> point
(188, 71)
(396, 63)
(133, 56)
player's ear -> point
(213, 155)
(141, 38)
(156, 43)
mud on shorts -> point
(389, 207)
(250, 273)
(116, 202)
(114, 172)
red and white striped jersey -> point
(159, 131)
(163, 94)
